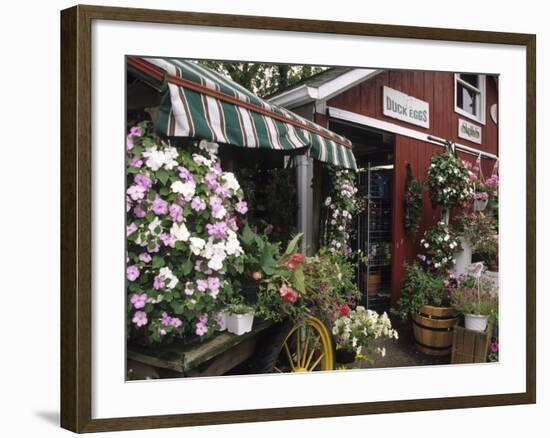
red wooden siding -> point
(437, 89)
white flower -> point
(167, 274)
(328, 201)
(187, 190)
(169, 155)
(179, 232)
(426, 245)
(437, 265)
(446, 237)
(155, 158)
(216, 263)
(153, 226)
(189, 288)
(196, 244)
(232, 245)
(199, 159)
(208, 146)
(230, 182)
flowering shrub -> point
(182, 212)
(449, 181)
(361, 329)
(413, 202)
(420, 288)
(438, 247)
(342, 206)
(474, 296)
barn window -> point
(470, 96)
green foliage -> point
(475, 297)
(413, 203)
(263, 79)
(481, 230)
(420, 288)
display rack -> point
(374, 236)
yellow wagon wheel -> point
(307, 347)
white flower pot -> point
(477, 323)
(239, 324)
(480, 204)
(464, 257)
(222, 321)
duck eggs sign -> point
(406, 108)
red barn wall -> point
(436, 88)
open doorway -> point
(374, 151)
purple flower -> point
(217, 230)
(166, 319)
(217, 168)
(132, 273)
(135, 131)
(198, 204)
(160, 206)
(211, 181)
(136, 192)
(128, 204)
(201, 329)
(184, 174)
(167, 239)
(140, 318)
(136, 162)
(131, 228)
(154, 249)
(214, 285)
(139, 300)
(144, 257)
(202, 285)
(143, 180)
(176, 213)
(241, 207)
(203, 318)
(494, 346)
(198, 265)
(138, 211)
(175, 322)
(158, 282)
(129, 143)
(223, 192)
(215, 202)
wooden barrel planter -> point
(433, 330)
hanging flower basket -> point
(481, 199)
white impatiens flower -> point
(179, 232)
(167, 274)
(170, 154)
(196, 244)
(426, 245)
(328, 201)
(202, 160)
(189, 288)
(155, 158)
(187, 190)
(208, 146)
(446, 237)
(230, 182)
(232, 245)
(155, 227)
(216, 263)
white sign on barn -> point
(403, 107)
(469, 131)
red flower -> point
(344, 310)
(288, 294)
(294, 260)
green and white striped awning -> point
(197, 102)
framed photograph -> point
(268, 219)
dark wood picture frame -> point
(76, 222)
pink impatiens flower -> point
(132, 273)
(131, 228)
(160, 206)
(176, 213)
(140, 318)
(136, 192)
(198, 204)
(139, 300)
(158, 282)
(241, 207)
(143, 180)
(144, 257)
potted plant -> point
(358, 333)
(449, 181)
(425, 300)
(481, 232)
(472, 296)
(438, 247)
(239, 318)
(481, 198)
